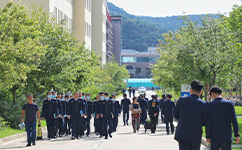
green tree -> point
(20, 48)
(197, 52)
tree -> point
(205, 52)
(20, 48)
(234, 22)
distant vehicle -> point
(131, 69)
(142, 90)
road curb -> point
(17, 136)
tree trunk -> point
(35, 90)
(236, 89)
(27, 88)
(205, 92)
(240, 88)
(15, 87)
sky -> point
(163, 8)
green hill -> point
(141, 32)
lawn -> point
(9, 131)
(174, 95)
(238, 110)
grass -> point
(238, 110)
(174, 95)
(9, 131)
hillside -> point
(140, 32)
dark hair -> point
(66, 96)
(113, 95)
(197, 85)
(59, 93)
(106, 93)
(88, 94)
(215, 89)
(100, 93)
(134, 98)
(169, 95)
(52, 92)
(141, 95)
(83, 93)
(48, 92)
(163, 96)
(29, 95)
(125, 95)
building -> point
(75, 14)
(99, 20)
(117, 37)
(141, 61)
(109, 38)
(82, 23)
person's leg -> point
(133, 125)
(153, 124)
(48, 127)
(104, 124)
(60, 122)
(114, 120)
(88, 126)
(172, 125)
(162, 119)
(145, 116)
(215, 146)
(226, 146)
(196, 145)
(33, 136)
(138, 124)
(74, 128)
(184, 145)
(124, 117)
(127, 117)
(54, 127)
(110, 127)
(167, 125)
(27, 128)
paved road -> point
(123, 139)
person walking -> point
(221, 114)
(30, 110)
(130, 91)
(133, 91)
(191, 113)
(161, 104)
(125, 107)
(153, 113)
(167, 111)
(135, 114)
(144, 108)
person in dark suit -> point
(153, 113)
(117, 111)
(89, 112)
(97, 98)
(144, 108)
(167, 111)
(125, 108)
(133, 91)
(67, 125)
(161, 104)
(107, 115)
(98, 110)
(220, 115)
(191, 113)
(76, 109)
(59, 119)
(50, 112)
(130, 91)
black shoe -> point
(127, 123)
(100, 136)
(33, 143)
(167, 133)
(96, 133)
(171, 132)
(110, 135)
(77, 137)
(73, 138)
(87, 134)
(28, 145)
(81, 136)
(124, 124)
(106, 137)
(49, 138)
(60, 136)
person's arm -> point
(22, 116)
(43, 111)
(38, 115)
(175, 110)
(163, 108)
(235, 124)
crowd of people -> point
(71, 115)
